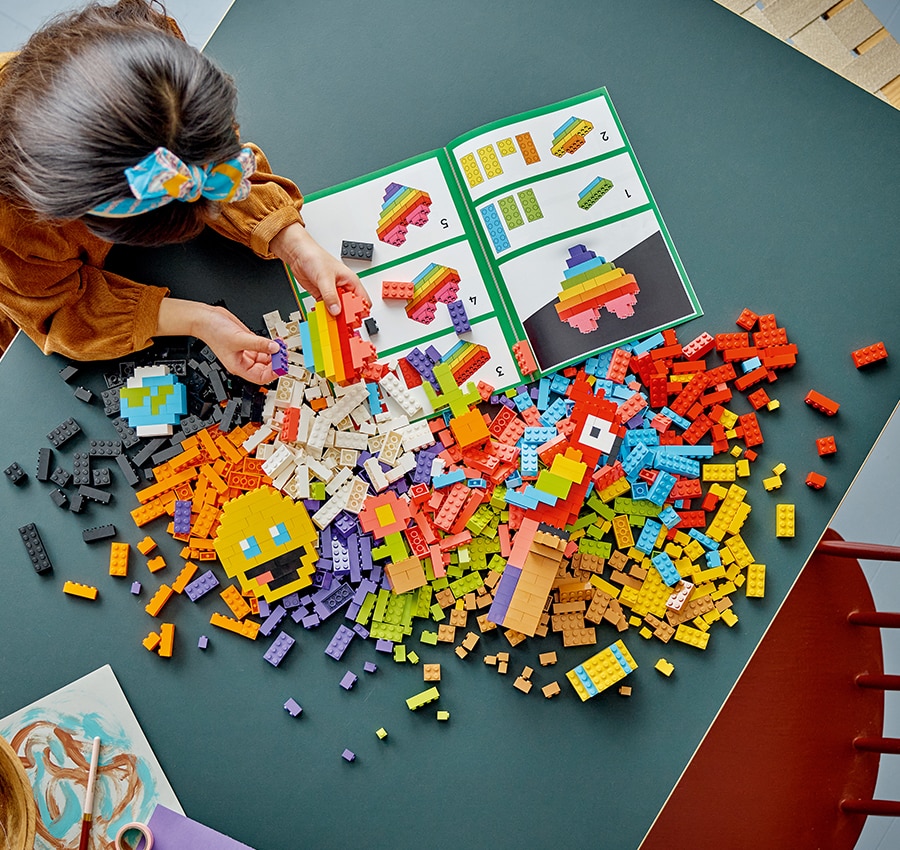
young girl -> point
(114, 130)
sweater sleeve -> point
(274, 203)
(53, 286)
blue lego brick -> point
(680, 421)
(528, 462)
(714, 559)
(538, 436)
(554, 413)
(705, 541)
(647, 436)
(648, 536)
(661, 487)
(586, 681)
(447, 479)
(521, 500)
(667, 462)
(669, 517)
(640, 490)
(635, 461)
(494, 228)
(667, 569)
(648, 344)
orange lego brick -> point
(524, 358)
(151, 642)
(146, 546)
(245, 628)
(118, 559)
(821, 403)
(159, 599)
(184, 577)
(393, 290)
(166, 639)
(231, 596)
(84, 591)
(868, 355)
(156, 564)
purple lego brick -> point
(458, 317)
(344, 524)
(340, 558)
(327, 601)
(311, 621)
(203, 642)
(370, 667)
(352, 611)
(349, 680)
(293, 708)
(298, 613)
(182, 519)
(201, 585)
(291, 601)
(280, 359)
(271, 622)
(348, 755)
(136, 588)
(339, 643)
(279, 648)
(382, 645)
(434, 355)
(361, 630)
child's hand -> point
(240, 351)
(317, 271)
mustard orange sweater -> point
(53, 285)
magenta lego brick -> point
(272, 621)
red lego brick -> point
(815, 480)
(868, 355)
(821, 403)
(759, 398)
(524, 358)
(826, 446)
(752, 433)
(747, 320)
(395, 290)
(735, 340)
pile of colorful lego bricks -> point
(603, 504)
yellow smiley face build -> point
(268, 542)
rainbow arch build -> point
(434, 283)
(403, 206)
(591, 283)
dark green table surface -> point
(779, 184)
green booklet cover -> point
(541, 226)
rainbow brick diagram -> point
(591, 283)
(434, 283)
(570, 137)
(403, 207)
(465, 359)
(593, 192)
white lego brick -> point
(154, 430)
(394, 474)
(340, 478)
(265, 451)
(437, 466)
(376, 474)
(318, 433)
(269, 407)
(254, 440)
(395, 389)
(271, 321)
(356, 495)
(294, 341)
(319, 469)
(390, 448)
(280, 481)
(280, 460)
(417, 435)
(356, 440)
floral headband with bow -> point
(161, 177)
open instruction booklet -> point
(537, 229)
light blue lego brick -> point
(494, 228)
(477, 483)
(620, 391)
(702, 539)
(648, 344)
(426, 271)
(521, 500)
(666, 568)
(374, 399)
(647, 436)
(538, 436)
(751, 364)
(565, 127)
(591, 185)
(687, 451)
(634, 460)
(586, 266)
(648, 536)
(543, 400)
(554, 413)
(309, 362)
(540, 495)
(528, 461)
(714, 559)
(586, 681)
(640, 490)
(621, 659)
(559, 384)
(522, 401)
(661, 487)
(669, 517)
(448, 478)
(677, 465)
(680, 421)
(513, 480)
(590, 366)
(603, 384)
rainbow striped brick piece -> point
(528, 577)
(435, 283)
(153, 401)
(402, 207)
(591, 283)
(570, 137)
(332, 346)
(465, 359)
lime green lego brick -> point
(454, 571)
(440, 583)
(429, 638)
(595, 531)
(412, 657)
(395, 610)
(429, 569)
(423, 698)
(411, 601)
(399, 653)
(466, 584)
(497, 564)
(365, 610)
(510, 212)
(635, 507)
(589, 546)
(423, 602)
(437, 613)
(317, 490)
(386, 631)
(584, 521)
(384, 596)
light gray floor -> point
(869, 511)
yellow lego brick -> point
(506, 147)
(718, 491)
(605, 586)
(742, 468)
(692, 637)
(728, 419)
(629, 596)
(771, 483)
(635, 621)
(736, 451)
(694, 550)
(756, 580)
(711, 574)
(784, 520)
(664, 667)
(773, 405)
(622, 531)
(718, 472)
(729, 617)
(779, 469)
(84, 591)
(645, 633)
